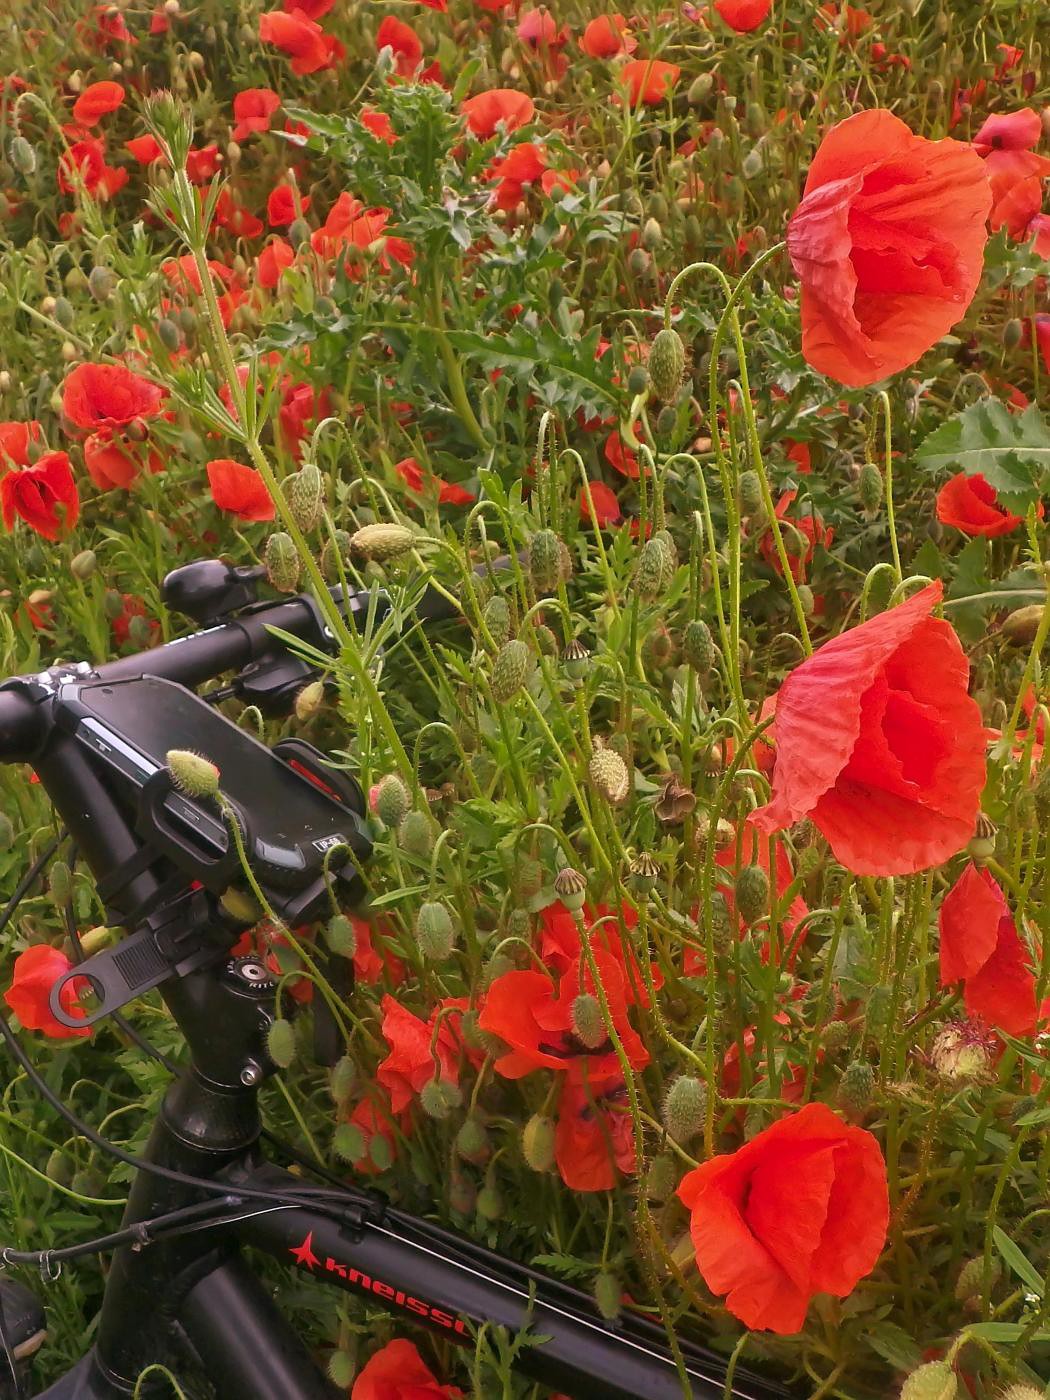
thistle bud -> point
(192, 773)
(608, 773)
(608, 1292)
(546, 561)
(588, 1024)
(416, 834)
(856, 1086)
(751, 893)
(340, 936)
(435, 932)
(667, 363)
(282, 562)
(934, 1381)
(381, 542)
(309, 701)
(537, 1142)
(280, 1043)
(571, 888)
(392, 800)
(510, 670)
(685, 1107)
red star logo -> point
(303, 1254)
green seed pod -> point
(661, 1179)
(545, 561)
(381, 542)
(282, 562)
(83, 565)
(416, 834)
(496, 614)
(22, 155)
(435, 932)
(472, 1142)
(304, 492)
(588, 1024)
(340, 936)
(192, 772)
(348, 1142)
(102, 283)
(667, 363)
(607, 1294)
(608, 773)
(576, 660)
(751, 893)
(698, 647)
(638, 380)
(60, 883)
(571, 888)
(651, 573)
(537, 1142)
(341, 1370)
(856, 1086)
(280, 1042)
(392, 801)
(934, 1381)
(342, 1078)
(870, 487)
(510, 670)
(685, 1108)
(749, 493)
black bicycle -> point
(179, 1289)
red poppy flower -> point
(105, 29)
(109, 396)
(281, 205)
(524, 165)
(301, 38)
(1015, 172)
(120, 626)
(744, 15)
(800, 453)
(114, 461)
(608, 36)
(799, 555)
(313, 9)
(485, 112)
(649, 80)
(145, 149)
(560, 945)
(301, 407)
(372, 963)
(801, 1209)
(602, 508)
(15, 438)
(273, 262)
(398, 1372)
(97, 101)
(981, 948)
(240, 490)
(878, 742)
(591, 1118)
(83, 166)
(253, 109)
(411, 1063)
(29, 996)
(372, 1121)
(750, 849)
(619, 456)
(404, 43)
(888, 243)
(449, 492)
(378, 124)
(43, 495)
(538, 29)
(241, 222)
(969, 504)
(203, 164)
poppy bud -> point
(537, 1142)
(340, 936)
(834, 1036)
(749, 493)
(652, 234)
(282, 562)
(1012, 333)
(751, 893)
(856, 1086)
(661, 1178)
(545, 561)
(588, 1024)
(1021, 626)
(698, 647)
(140, 633)
(380, 1152)
(472, 1142)
(607, 1294)
(970, 1282)
(700, 89)
(571, 888)
(806, 600)
(510, 670)
(22, 155)
(62, 312)
(335, 551)
(490, 1203)
(755, 120)
(309, 701)
(101, 282)
(752, 165)
(348, 1143)
(59, 1168)
(439, 1097)
(341, 1365)
(934, 1381)
(416, 835)
(496, 615)
(880, 1003)
(392, 800)
(435, 932)
(638, 380)
(462, 1193)
(187, 320)
(608, 773)
(652, 570)
(685, 1107)
(192, 773)
(280, 1043)
(304, 491)
(381, 542)
(870, 488)
(667, 363)
(341, 1079)
(60, 883)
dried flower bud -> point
(192, 772)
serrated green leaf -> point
(1010, 450)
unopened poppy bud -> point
(472, 1142)
(608, 1292)
(652, 234)
(751, 893)
(439, 1097)
(667, 363)
(652, 571)
(304, 491)
(685, 1108)
(341, 1079)
(981, 847)
(490, 1203)
(749, 493)
(755, 119)
(380, 1152)
(637, 380)
(59, 1168)
(752, 165)
(963, 1052)
(83, 565)
(336, 551)
(140, 633)
(1012, 333)
(22, 155)
(60, 883)
(970, 1282)
(280, 1043)
(101, 282)
(435, 932)
(588, 1024)
(341, 1365)
(537, 1142)
(700, 89)
(462, 1193)
(416, 834)
(309, 701)
(870, 487)
(510, 670)
(282, 561)
(382, 541)
(192, 773)
(392, 800)
(661, 1178)
(496, 614)
(1021, 626)
(348, 1143)
(805, 598)
(62, 311)
(340, 936)
(698, 647)
(639, 262)
(608, 773)
(934, 1381)
(834, 1036)
(856, 1086)
(545, 561)
(571, 888)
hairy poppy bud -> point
(608, 773)
(462, 1193)
(667, 363)
(380, 1152)
(304, 491)
(496, 615)
(280, 1043)
(934, 1381)
(588, 1024)
(416, 834)
(490, 1205)
(856, 1086)
(381, 542)
(685, 1107)
(537, 1142)
(510, 670)
(652, 235)
(834, 1036)
(101, 282)
(661, 1178)
(83, 565)
(700, 89)
(59, 1168)
(1020, 627)
(391, 800)
(340, 936)
(472, 1142)
(309, 701)
(698, 647)
(546, 561)
(571, 888)
(653, 567)
(608, 1292)
(1012, 333)
(970, 1282)
(22, 155)
(341, 1365)
(751, 893)
(637, 380)
(341, 1079)
(870, 488)
(434, 931)
(60, 883)
(348, 1143)
(192, 772)
(282, 562)
(438, 1097)
(749, 493)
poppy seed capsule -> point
(280, 1043)
(510, 670)
(751, 893)
(870, 487)
(685, 1107)
(392, 800)
(588, 1025)
(667, 363)
(192, 773)
(434, 932)
(981, 848)
(545, 561)
(934, 1381)
(340, 936)
(571, 888)
(576, 660)
(381, 542)
(282, 562)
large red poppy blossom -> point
(398, 1372)
(591, 1120)
(15, 437)
(108, 396)
(878, 742)
(411, 1062)
(888, 243)
(744, 15)
(44, 496)
(301, 38)
(97, 101)
(981, 948)
(239, 490)
(403, 42)
(649, 80)
(29, 996)
(253, 109)
(969, 504)
(608, 36)
(488, 110)
(801, 1209)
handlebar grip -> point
(21, 727)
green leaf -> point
(1010, 450)
(894, 1345)
(1005, 1332)
(1013, 1256)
